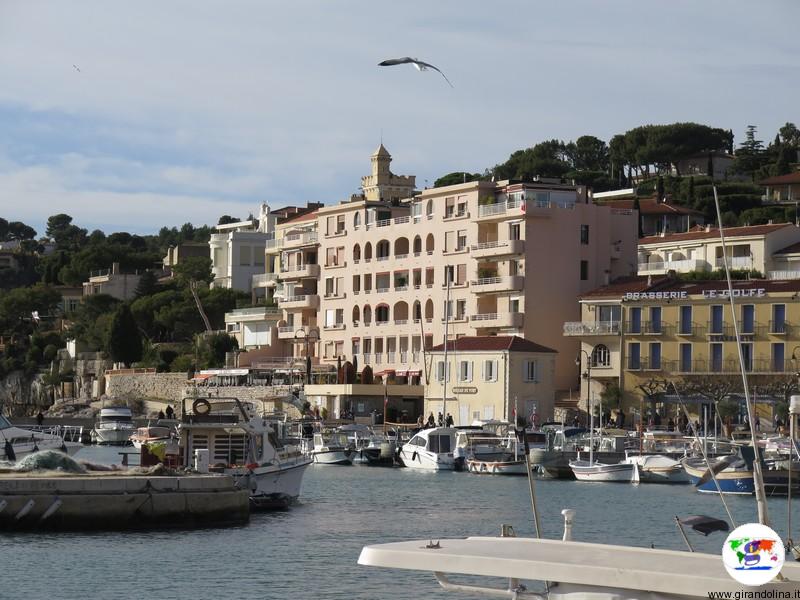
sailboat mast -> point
(763, 516)
(446, 323)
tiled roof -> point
(793, 249)
(512, 343)
(622, 286)
(649, 206)
(699, 233)
(782, 179)
(299, 218)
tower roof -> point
(381, 151)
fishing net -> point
(49, 460)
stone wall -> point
(151, 386)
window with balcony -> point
(685, 326)
(461, 206)
(635, 319)
(655, 356)
(686, 358)
(715, 351)
(778, 324)
(715, 327)
(747, 355)
(416, 278)
(585, 235)
(259, 257)
(449, 274)
(416, 211)
(382, 314)
(655, 319)
(340, 223)
(634, 356)
(367, 283)
(748, 318)
(778, 357)
(461, 275)
(449, 241)
(530, 371)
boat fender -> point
(414, 456)
(201, 406)
(252, 466)
(11, 456)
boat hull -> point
(276, 487)
(731, 481)
(659, 469)
(333, 457)
(111, 436)
(510, 467)
(584, 471)
(427, 461)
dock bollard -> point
(568, 513)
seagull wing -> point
(397, 61)
(425, 65)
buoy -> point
(25, 510)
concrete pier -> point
(111, 500)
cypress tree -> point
(124, 342)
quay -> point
(113, 500)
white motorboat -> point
(114, 426)
(586, 470)
(498, 467)
(430, 449)
(657, 468)
(332, 448)
(18, 442)
(224, 435)
(152, 434)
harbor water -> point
(311, 550)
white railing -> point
(382, 258)
(591, 327)
(488, 210)
(487, 281)
(784, 275)
(401, 321)
(382, 290)
(295, 298)
(401, 288)
(381, 323)
(401, 256)
(274, 243)
(390, 357)
(736, 262)
(484, 317)
(301, 238)
(415, 356)
(403, 357)
(365, 357)
(383, 223)
(487, 245)
(401, 220)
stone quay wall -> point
(150, 386)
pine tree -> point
(147, 284)
(124, 342)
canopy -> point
(704, 524)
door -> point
(463, 415)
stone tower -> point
(382, 184)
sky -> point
(131, 116)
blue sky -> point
(187, 110)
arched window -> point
(429, 309)
(382, 313)
(400, 312)
(367, 252)
(417, 245)
(356, 253)
(601, 357)
(356, 314)
(367, 315)
(429, 209)
(357, 220)
(417, 310)
(401, 247)
(429, 243)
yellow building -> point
(491, 377)
(640, 332)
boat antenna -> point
(704, 454)
(758, 478)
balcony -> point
(644, 363)
(783, 274)
(256, 313)
(489, 285)
(735, 262)
(485, 320)
(289, 332)
(581, 328)
(295, 302)
(265, 280)
(730, 366)
(296, 240)
(334, 327)
(307, 271)
(779, 328)
(645, 327)
(726, 330)
(499, 210)
(679, 266)
(274, 245)
(498, 248)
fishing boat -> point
(430, 450)
(332, 448)
(735, 478)
(153, 434)
(17, 442)
(114, 426)
(225, 435)
(587, 470)
(657, 468)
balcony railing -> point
(592, 328)
(298, 239)
(779, 327)
(644, 364)
(730, 365)
(390, 357)
(735, 262)
(403, 357)
(727, 329)
(644, 327)
(783, 275)
(262, 279)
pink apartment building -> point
(367, 278)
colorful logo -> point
(753, 554)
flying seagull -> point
(421, 66)
(76, 68)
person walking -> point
(431, 420)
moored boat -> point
(114, 426)
(18, 442)
(332, 448)
(430, 450)
(736, 478)
(657, 468)
(585, 470)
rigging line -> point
(703, 452)
(763, 515)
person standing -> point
(39, 419)
(448, 420)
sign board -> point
(465, 390)
(751, 293)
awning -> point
(201, 377)
(386, 372)
(409, 373)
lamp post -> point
(312, 335)
(588, 376)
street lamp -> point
(312, 335)
(588, 375)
